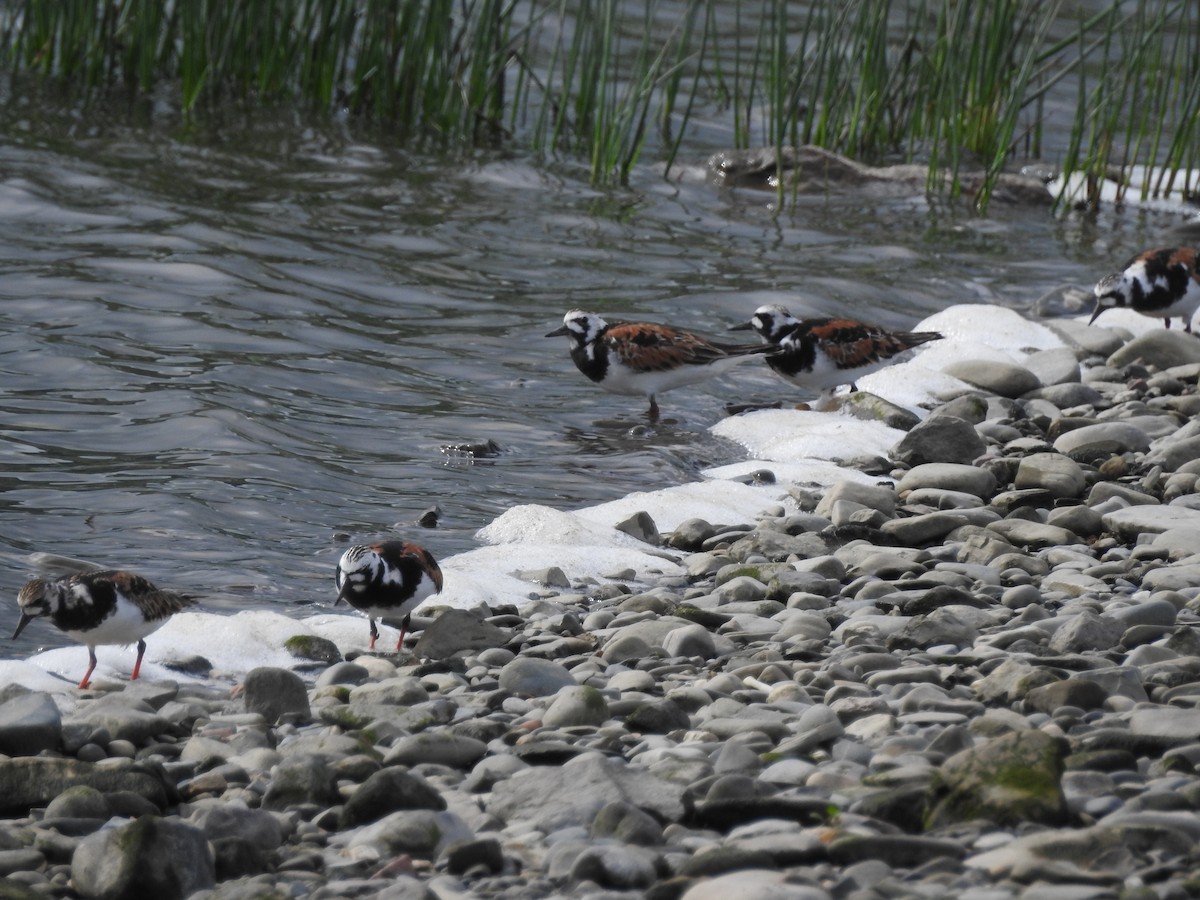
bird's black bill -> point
(343, 594)
(557, 332)
(25, 620)
(744, 326)
(1100, 307)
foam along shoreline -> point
(798, 447)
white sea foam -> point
(797, 446)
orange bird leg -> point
(137, 666)
(91, 665)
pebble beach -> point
(967, 666)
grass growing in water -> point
(948, 83)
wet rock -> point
(312, 647)
(641, 526)
(149, 857)
(691, 534)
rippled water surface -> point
(219, 358)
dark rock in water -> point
(188, 665)
(30, 782)
(150, 857)
(430, 517)
(691, 534)
(867, 406)
(299, 781)
(30, 724)
(273, 692)
(457, 630)
(1010, 780)
(310, 646)
(488, 449)
(736, 409)
(811, 169)
(387, 791)
(641, 526)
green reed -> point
(950, 84)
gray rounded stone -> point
(994, 376)
(387, 791)
(689, 641)
(575, 705)
(951, 477)
(454, 750)
(400, 691)
(1161, 348)
(272, 692)
(232, 819)
(30, 724)
(1056, 366)
(940, 439)
(1053, 472)
(527, 677)
(149, 857)
(1104, 439)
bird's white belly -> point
(124, 626)
(622, 380)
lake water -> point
(221, 359)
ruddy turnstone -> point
(826, 353)
(388, 579)
(113, 607)
(1159, 283)
(643, 358)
